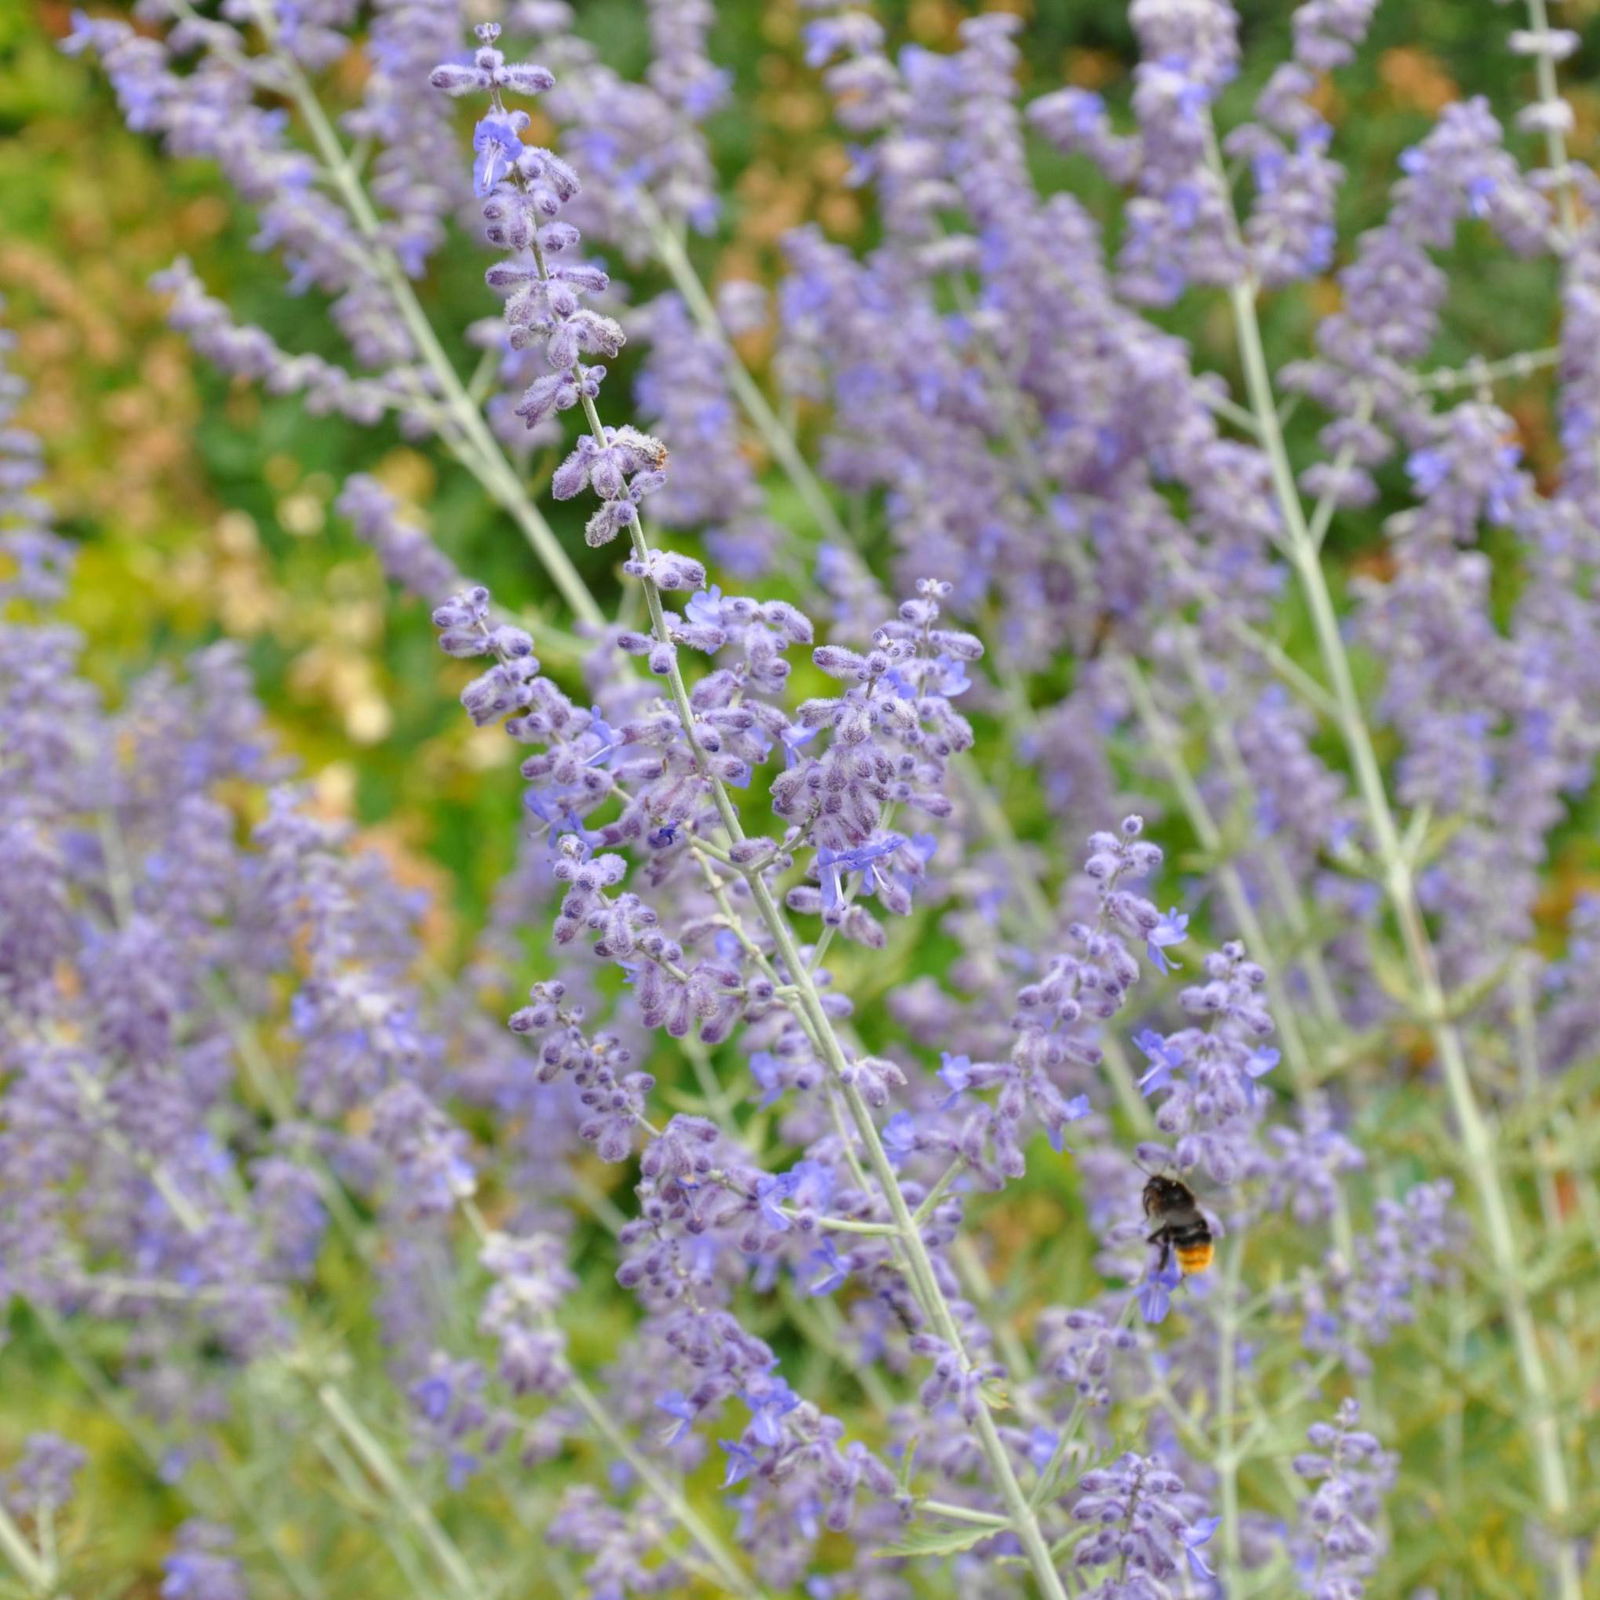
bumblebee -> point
(1180, 1226)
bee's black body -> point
(1180, 1225)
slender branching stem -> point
(36, 1574)
(375, 1457)
(1476, 374)
(245, 1500)
(332, 1398)
(356, 1483)
(722, 1560)
(981, 1519)
(779, 440)
(1227, 1454)
(914, 1251)
(1164, 739)
(1555, 141)
(1045, 1487)
(1477, 1138)
(1264, 1423)
(477, 447)
(1219, 728)
(941, 1187)
(1322, 513)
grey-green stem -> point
(914, 1250)
(36, 1574)
(1481, 1157)
(477, 446)
(777, 438)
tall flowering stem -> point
(496, 136)
(1550, 115)
(460, 420)
(1481, 1159)
(778, 439)
(720, 1557)
(476, 443)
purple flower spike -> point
(201, 1566)
(1143, 1518)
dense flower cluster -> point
(216, 1045)
(1338, 1544)
(825, 938)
